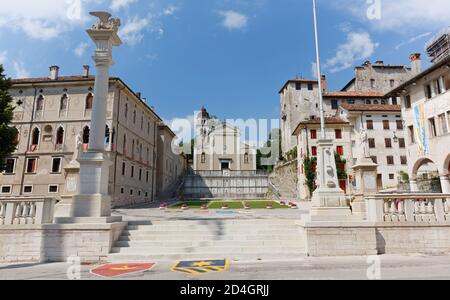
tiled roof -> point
(354, 94)
(298, 80)
(370, 107)
(328, 120)
(46, 79)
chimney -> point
(54, 73)
(379, 63)
(416, 63)
(139, 95)
(324, 83)
(86, 71)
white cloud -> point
(413, 39)
(3, 55)
(234, 20)
(401, 15)
(358, 46)
(43, 19)
(81, 49)
(119, 4)
(170, 10)
(132, 32)
(20, 71)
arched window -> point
(134, 117)
(246, 158)
(40, 103)
(203, 158)
(140, 152)
(89, 101)
(35, 137)
(126, 110)
(375, 102)
(60, 136)
(63, 103)
(107, 135)
(86, 132)
(383, 102)
(368, 102)
(132, 148)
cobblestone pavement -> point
(333, 268)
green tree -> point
(310, 173)
(340, 166)
(8, 135)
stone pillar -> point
(445, 184)
(92, 204)
(329, 202)
(413, 185)
(365, 172)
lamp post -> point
(329, 202)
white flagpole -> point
(319, 74)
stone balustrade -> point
(416, 208)
(26, 210)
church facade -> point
(218, 146)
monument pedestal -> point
(366, 172)
(64, 208)
(329, 202)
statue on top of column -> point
(105, 21)
(364, 144)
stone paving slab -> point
(333, 268)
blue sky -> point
(230, 55)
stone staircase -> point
(209, 239)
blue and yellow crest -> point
(201, 266)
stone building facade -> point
(171, 163)
(426, 113)
(53, 116)
(218, 147)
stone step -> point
(158, 257)
(253, 222)
(210, 227)
(216, 250)
(213, 231)
(241, 237)
(218, 243)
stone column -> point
(365, 172)
(92, 204)
(445, 184)
(329, 202)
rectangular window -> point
(334, 104)
(338, 134)
(132, 171)
(374, 159)
(31, 165)
(372, 83)
(122, 190)
(369, 124)
(351, 101)
(314, 151)
(28, 189)
(124, 168)
(313, 134)
(392, 83)
(140, 174)
(56, 165)
(443, 122)
(404, 160)
(372, 143)
(412, 137)
(399, 124)
(388, 143)
(10, 167)
(408, 101)
(428, 91)
(310, 86)
(402, 143)
(390, 160)
(298, 86)
(53, 189)
(391, 176)
(131, 192)
(386, 125)
(432, 126)
(6, 189)
(394, 101)
(147, 176)
(340, 150)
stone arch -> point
(419, 163)
(446, 166)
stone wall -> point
(352, 239)
(285, 179)
(56, 243)
(230, 187)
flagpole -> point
(319, 74)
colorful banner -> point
(420, 130)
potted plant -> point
(269, 205)
(184, 206)
(225, 206)
(163, 206)
(294, 206)
(247, 205)
(282, 203)
(204, 206)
